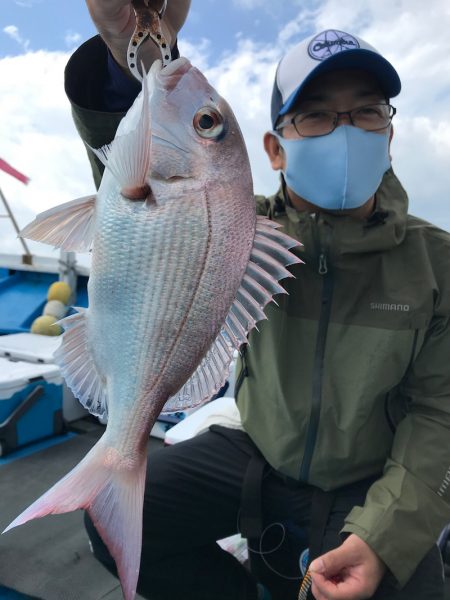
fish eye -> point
(208, 122)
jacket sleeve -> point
(408, 507)
(86, 85)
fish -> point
(182, 269)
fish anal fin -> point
(69, 226)
(207, 380)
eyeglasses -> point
(373, 117)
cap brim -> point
(366, 60)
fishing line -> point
(306, 581)
(262, 553)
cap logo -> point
(331, 42)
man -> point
(344, 394)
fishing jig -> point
(148, 25)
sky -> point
(237, 44)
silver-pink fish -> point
(179, 276)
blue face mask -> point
(338, 171)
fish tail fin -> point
(112, 492)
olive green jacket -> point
(350, 376)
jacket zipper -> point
(317, 381)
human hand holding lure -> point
(117, 21)
(352, 571)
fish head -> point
(195, 137)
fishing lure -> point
(305, 587)
(148, 25)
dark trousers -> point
(193, 498)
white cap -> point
(327, 51)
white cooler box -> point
(31, 401)
(34, 348)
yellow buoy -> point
(55, 308)
(59, 291)
(45, 326)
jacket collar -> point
(384, 229)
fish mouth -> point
(179, 64)
(170, 75)
(169, 141)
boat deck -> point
(50, 559)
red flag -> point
(4, 166)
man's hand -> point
(115, 22)
(351, 572)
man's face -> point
(339, 91)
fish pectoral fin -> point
(69, 226)
(267, 265)
(112, 491)
(78, 367)
(127, 157)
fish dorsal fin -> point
(267, 265)
(69, 226)
(78, 367)
(128, 155)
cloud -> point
(39, 138)
(250, 4)
(27, 3)
(414, 37)
(199, 53)
(13, 32)
(72, 39)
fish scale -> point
(178, 279)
